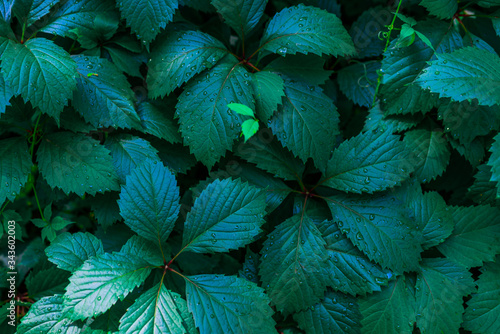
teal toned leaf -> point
(467, 73)
(483, 191)
(358, 82)
(70, 251)
(237, 220)
(430, 153)
(268, 90)
(364, 31)
(104, 99)
(149, 201)
(15, 166)
(241, 15)
(249, 128)
(157, 120)
(380, 228)
(46, 282)
(406, 36)
(105, 208)
(307, 123)
(178, 56)
(250, 268)
(439, 290)
(228, 305)
(306, 30)
(158, 310)
(32, 10)
(371, 161)
(443, 9)
(50, 227)
(146, 250)
(476, 237)
(208, 126)
(494, 162)
(6, 94)
(101, 281)
(241, 109)
(389, 311)
(41, 72)
(482, 314)
(293, 264)
(336, 313)
(307, 68)
(147, 17)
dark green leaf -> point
(443, 9)
(268, 90)
(157, 120)
(15, 166)
(358, 82)
(241, 15)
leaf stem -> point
(33, 139)
(22, 34)
(4, 206)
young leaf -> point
(467, 73)
(178, 56)
(41, 72)
(147, 17)
(241, 109)
(237, 220)
(229, 305)
(268, 90)
(154, 187)
(76, 163)
(241, 15)
(15, 166)
(306, 30)
(101, 281)
(249, 128)
(293, 264)
(158, 310)
(406, 36)
(371, 161)
(70, 251)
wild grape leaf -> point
(45, 316)
(104, 97)
(177, 56)
(29, 11)
(250, 268)
(70, 251)
(307, 68)
(307, 123)
(149, 201)
(440, 286)
(15, 166)
(147, 17)
(157, 120)
(443, 9)
(306, 29)
(430, 153)
(473, 152)
(336, 313)
(6, 94)
(377, 119)
(268, 90)
(482, 314)
(483, 191)
(241, 15)
(229, 305)
(353, 273)
(101, 281)
(128, 152)
(293, 264)
(124, 59)
(208, 126)
(146, 250)
(467, 73)
(402, 66)
(175, 156)
(105, 208)
(494, 162)
(109, 321)
(6, 9)
(358, 82)
(158, 310)
(46, 282)
(371, 161)
(237, 220)
(476, 237)
(76, 163)
(379, 226)
(389, 311)
(41, 72)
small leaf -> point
(241, 109)
(249, 128)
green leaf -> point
(70, 251)
(149, 201)
(482, 314)
(358, 82)
(430, 153)
(440, 286)
(364, 31)
(157, 119)
(306, 30)
(51, 227)
(106, 99)
(105, 208)
(241, 109)
(483, 191)
(178, 56)
(389, 311)
(158, 310)
(476, 237)
(443, 9)
(268, 90)
(467, 73)
(229, 305)
(336, 313)
(45, 316)
(15, 166)
(241, 15)
(101, 281)
(379, 227)
(352, 273)
(250, 268)
(208, 126)
(46, 282)
(371, 161)
(494, 162)
(249, 128)
(237, 220)
(76, 163)
(29, 11)
(41, 72)
(146, 250)
(125, 60)
(147, 17)
(293, 264)
(307, 123)
(6, 94)
(406, 36)
(307, 68)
